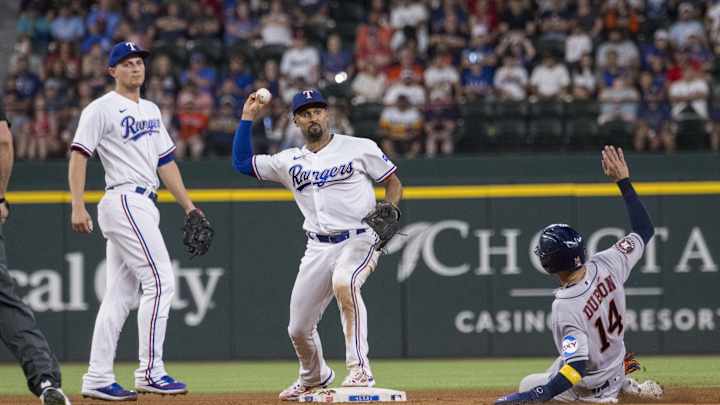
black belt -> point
(141, 190)
(335, 237)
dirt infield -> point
(673, 396)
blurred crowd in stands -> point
(402, 72)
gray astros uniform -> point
(587, 324)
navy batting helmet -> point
(560, 248)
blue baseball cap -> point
(308, 98)
(123, 50)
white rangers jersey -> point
(130, 139)
(587, 317)
(334, 187)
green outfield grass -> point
(272, 376)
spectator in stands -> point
(93, 60)
(221, 129)
(550, 79)
(618, 102)
(511, 80)
(205, 24)
(67, 26)
(577, 45)
(441, 119)
(140, 18)
(688, 97)
(686, 25)
(369, 84)
(660, 49)
(586, 17)
(584, 83)
(314, 16)
(40, 135)
(713, 17)
(301, 61)
(339, 121)
(36, 26)
(171, 28)
(653, 125)
(103, 14)
(336, 60)
(611, 71)
(271, 75)
(199, 73)
(516, 17)
(162, 70)
(407, 87)
(275, 125)
(240, 25)
(18, 113)
(275, 26)
(442, 79)
(408, 19)
(483, 18)
(192, 125)
(517, 44)
(400, 126)
(622, 15)
(554, 23)
(372, 42)
(477, 79)
(406, 61)
(70, 63)
(698, 52)
(451, 36)
(241, 75)
(27, 83)
(92, 38)
(441, 9)
(479, 49)
(626, 50)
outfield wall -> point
(462, 283)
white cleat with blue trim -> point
(166, 385)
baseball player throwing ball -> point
(128, 134)
(589, 307)
(331, 178)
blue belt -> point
(141, 190)
(334, 238)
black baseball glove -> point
(197, 233)
(385, 221)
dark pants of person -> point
(19, 332)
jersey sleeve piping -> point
(167, 152)
(81, 148)
(255, 169)
(387, 174)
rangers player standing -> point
(331, 178)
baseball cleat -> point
(112, 392)
(293, 392)
(647, 389)
(53, 396)
(166, 385)
(358, 377)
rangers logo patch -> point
(625, 245)
(569, 345)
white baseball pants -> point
(330, 270)
(136, 259)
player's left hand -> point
(613, 163)
(519, 398)
(197, 233)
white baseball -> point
(263, 95)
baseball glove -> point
(197, 233)
(385, 221)
(631, 364)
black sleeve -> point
(3, 117)
(639, 218)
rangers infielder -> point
(589, 308)
(128, 134)
(331, 178)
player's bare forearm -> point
(170, 175)
(77, 171)
(6, 157)
(393, 189)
